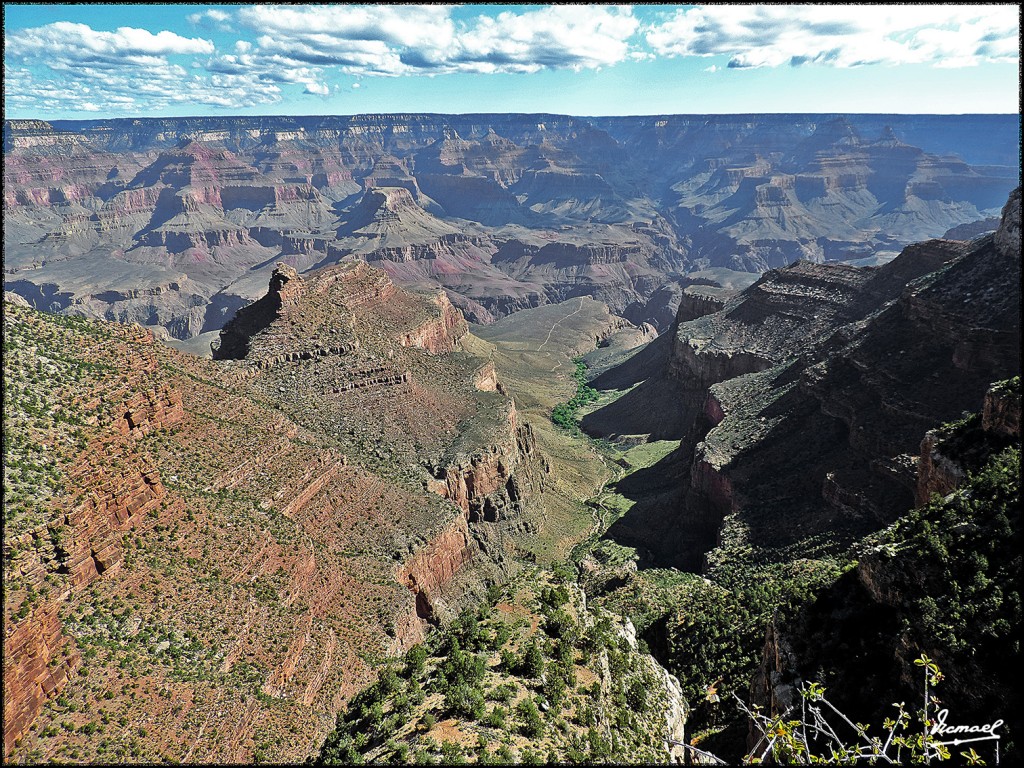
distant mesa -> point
(500, 211)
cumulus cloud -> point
(211, 19)
(841, 36)
(67, 41)
(399, 40)
(356, 39)
(269, 69)
(65, 66)
(577, 36)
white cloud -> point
(841, 36)
(397, 25)
(269, 69)
(64, 40)
(213, 15)
(356, 39)
(576, 36)
(211, 19)
(66, 67)
(399, 40)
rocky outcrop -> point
(288, 324)
(936, 474)
(236, 336)
(773, 687)
(115, 500)
(1000, 414)
(158, 408)
(1008, 235)
(492, 487)
(431, 571)
(488, 484)
(438, 335)
(949, 454)
(38, 662)
(695, 303)
(486, 379)
(16, 300)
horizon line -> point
(395, 113)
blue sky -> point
(91, 61)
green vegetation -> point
(1007, 385)
(564, 414)
(963, 557)
(42, 423)
(794, 736)
(526, 674)
(947, 584)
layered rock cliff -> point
(505, 211)
(943, 581)
(245, 530)
(838, 370)
(491, 471)
(115, 484)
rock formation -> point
(838, 370)
(924, 585)
(502, 211)
(249, 527)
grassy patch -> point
(564, 414)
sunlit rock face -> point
(177, 222)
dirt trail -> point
(559, 322)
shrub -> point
(496, 717)
(533, 661)
(531, 723)
(465, 701)
(415, 660)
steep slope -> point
(200, 555)
(943, 581)
(568, 683)
(804, 401)
(837, 370)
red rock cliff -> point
(116, 486)
(438, 335)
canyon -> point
(278, 400)
(803, 420)
(232, 537)
(176, 223)
(839, 370)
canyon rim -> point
(419, 384)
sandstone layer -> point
(223, 542)
(177, 222)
